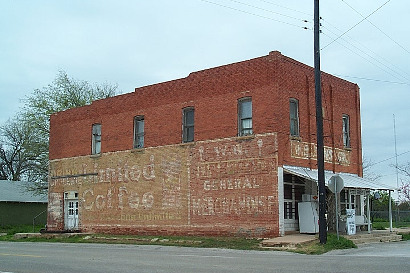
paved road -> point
(56, 257)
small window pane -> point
(346, 131)
(188, 125)
(245, 117)
(96, 139)
(294, 117)
(287, 191)
(246, 109)
(139, 124)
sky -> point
(136, 43)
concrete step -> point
(374, 237)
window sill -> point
(95, 155)
(138, 150)
(244, 138)
(189, 144)
(297, 138)
(348, 148)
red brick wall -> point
(269, 80)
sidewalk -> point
(289, 241)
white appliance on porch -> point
(308, 211)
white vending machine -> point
(308, 216)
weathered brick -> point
(216, 189)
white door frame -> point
(71, 209)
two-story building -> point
(225, 151)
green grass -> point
(11, 230)
(239, 243)
(382, 225)
(405, 236)
(316, 248)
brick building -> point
(223, 151)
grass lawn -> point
(239, 243)
(386, 225)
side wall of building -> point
(219, 187)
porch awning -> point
(350, 180)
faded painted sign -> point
(180, 185)
(307, 150)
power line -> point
(369, 61)
(301, 12)
(274, 12)
(355, 25)
(367, 48)
(254, 14)
(387, 159)
(371, 57)
(367, 79)
(385, 34)
(334, 40)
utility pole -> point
(319, 129)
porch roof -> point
(350, 180)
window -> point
(188, 125)
(294, 117)
(346, 131)
(293, 189)
(96, 139)
(139, 132)
(245, 117)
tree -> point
(405, 184)
(24, 149)
(367, 173)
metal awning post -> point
(390, 213)
(368, 214)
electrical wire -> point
(369, 61)
(375, 61)
(367, 79)
(301, 12)
(373, 58)
(385, 34)
(365, 47)
(254, 14)
(274, 12)
(355, 25)
(387, 159)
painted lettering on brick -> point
(306, 150)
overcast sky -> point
(137, 43)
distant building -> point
(18, 206)
(225, 151)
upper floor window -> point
(139, 132)
(245, 117)
(96, 139)
(188, 125)
(346, 131)
(294, 117)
